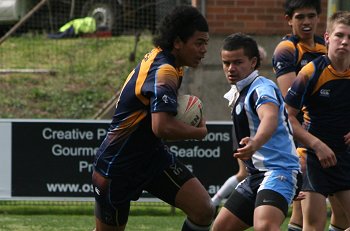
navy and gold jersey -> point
(291, 55)
(324, 94)
(130, 145)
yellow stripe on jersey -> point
(328, 74)
(303, 48)
(129, 124)
(168, 75)
(144, 68)
(285, 45)
(126, 81)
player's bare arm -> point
(285, 81)
(166, 126)
(325, 155)
(268, 115)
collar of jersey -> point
(246, 81)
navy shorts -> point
(327, 181)
(164, 186)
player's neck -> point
(310, 42)
(340, 64)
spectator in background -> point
(75, 28)
(321, 89)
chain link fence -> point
(78, 73)
(33, 19)
(25, 26)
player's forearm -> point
(266, 129)
(178, 130)
(301, 135)
(268, 115)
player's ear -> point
(326, 38)
(288, 19)
(177, 43)
(253, 62)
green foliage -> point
(87, 73)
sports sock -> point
(225, 190)
(294, 227)
(334, 228)
(190, 226)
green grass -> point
(44, 216)
(89, 72)
(86, 222)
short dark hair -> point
(291, 5)
(182, 22)
(239, 40)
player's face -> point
(191, 52)
(304, 23)
(338, 41)
(236, 65)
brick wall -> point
(255, 17)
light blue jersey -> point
(279, 152)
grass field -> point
(79, 217)
(87, 73)
(86, 222)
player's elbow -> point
(160, 131)
(157, 131)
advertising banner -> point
(54, 158)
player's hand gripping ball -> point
(189, 109)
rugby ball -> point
(189, 109)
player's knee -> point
(265, 225)
(203, 215)
(206, 216)
(210, 214)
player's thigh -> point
(177, 186)
(271, 209)
(241, 202)
(338, 216)
(194, 199)
(314, 209)
(268, 217)
(297, 214)
(343, 198)
(168, 183)
(226, 220)
(108, 213)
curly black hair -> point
(181, 23)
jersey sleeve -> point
(165, 89)
(296, 94)
(265, 94)
(283, 59)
